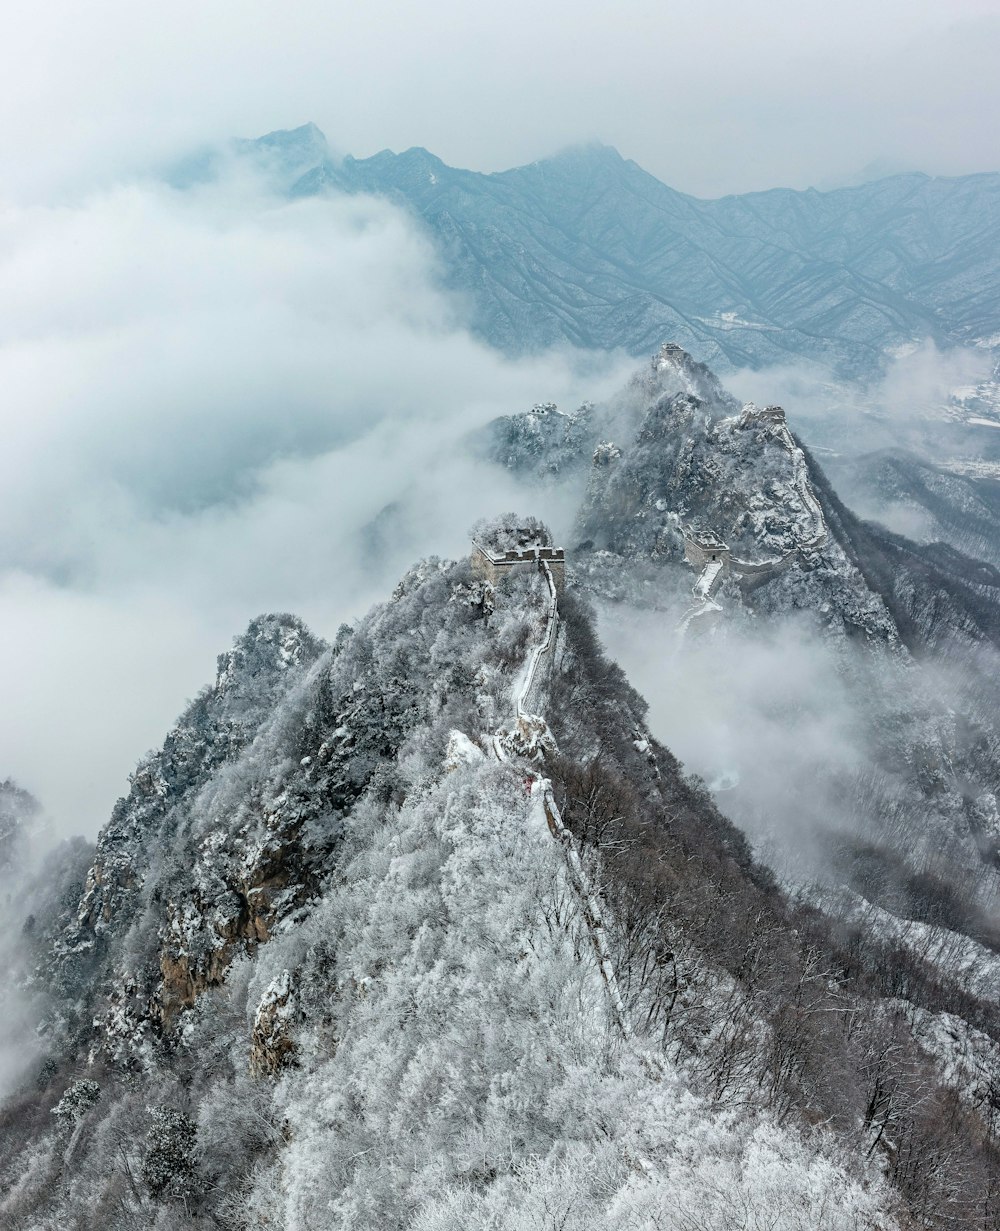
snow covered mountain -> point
(926, 502)
(339, 959)
(677, 453)
(715, 516)
(587, 247)
(424, 928)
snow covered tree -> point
(168, 1168)
(76, 1102)
(511, 530)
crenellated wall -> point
(492, 565)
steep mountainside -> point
(423, 928)
(509, 967)
(588, 247)
(717, 517)
(463, 1003)
(929, 504)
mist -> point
(712, 98)
(906, 407)
(218, 403)
(765, 717)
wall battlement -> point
(761, 414)
(493, 564)
(703, 548)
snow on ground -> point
(972, 965)
(475, 1080)
(484, 1073)
(967, 1060)
(704, 585)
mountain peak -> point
(418, 154)
(289, 153)
(586, 151)
(306, 136)
(584, 157)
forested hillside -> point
(415, 1031)
(424, 927)
(587, 247)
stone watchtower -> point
(703, 547)
(492, 564)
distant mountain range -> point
(589, 248)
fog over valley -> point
(248, 404)
(500, 617)
(152, 334)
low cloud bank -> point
(218, 403)
(765, 717)
(904, 408)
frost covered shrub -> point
(509, 531)
(168, 1168)
(77, 1101)
(475, 1081)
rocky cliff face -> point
(230, 828)
(677, 459)
(424, 929)
(677, 454)
(237, 885)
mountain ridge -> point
(423, 928)
(587, 247)
(446, 889)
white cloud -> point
(207, 399)
(766, 715)
(903, 407)
(713, 97)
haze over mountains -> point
(588, 248)
(421, 926)
(420, 922)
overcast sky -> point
(712, 96)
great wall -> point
(527, 734)
(706, 551)
(491, 565)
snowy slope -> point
(586, 246)
(880, 752)
(476, 1080)
(424, 929)
(423, 1035)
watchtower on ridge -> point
(752, 413)
(492, 564)
(703, 547)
